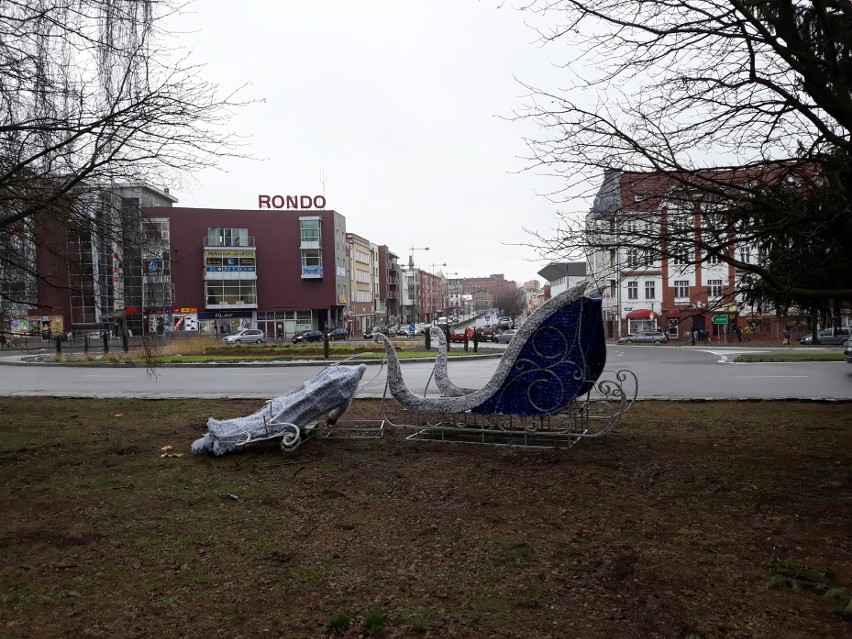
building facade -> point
(390, 286)
(277, 270)
(673, 291)
(89, 274)
(363, 267)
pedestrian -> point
(694, 336)
(786, 336)
(739, 331)
(2, 340)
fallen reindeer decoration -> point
(290, 417)
(549, 388)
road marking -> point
(110, 376)
(254, 374)
(723, 355)
(771, 376)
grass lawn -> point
(691, 521)
(199, 351)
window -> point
(649, 290)
(745, 254)
(309, 229)
(679, 254)
(681, 289)
(711, 259)
(634, 255)
(227, 237)
(633, 290)
(156, 232)
(679, 223)
(714, 288)
(633, 226)
(237, 292)
(311, 257)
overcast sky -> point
(395, 111)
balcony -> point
(312, 272)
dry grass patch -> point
(673, 526)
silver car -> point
(645, 337)
(828, 336)
(506, 336)
(247, 336)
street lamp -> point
(411, 255)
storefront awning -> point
(673, 314)
(641, 313)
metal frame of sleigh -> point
(549, 390)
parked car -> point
(309, 335)
(247, 336)
(486, 335)
(828, 336)
(645, 337)
(338, 333)
(506, 336)
(402, 331)
(378, 328)
(848, 353)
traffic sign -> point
(720, 319)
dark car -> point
(848, 353)
(645, 337)
(338, 333)
(310, 335)
(828, 336)
(486, 335)
(378, 328)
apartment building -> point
(679, 292)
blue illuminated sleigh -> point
(549, 389)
